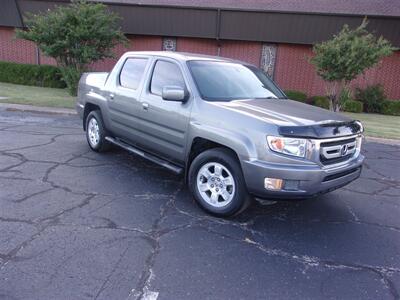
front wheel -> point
(217, 183)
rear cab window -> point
(132, 72)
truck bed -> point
(93, 81)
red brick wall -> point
(136, 43)
(386, 72)
(293, 71)
(15, 50)
(245, 51)
(203, 46)
(21, 51)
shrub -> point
(372, 96)
(296, 95)
(38, 75)
(391, 107)
(321, 101)
(353, 106)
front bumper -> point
(312, 179)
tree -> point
(347, 55)
(75, 35)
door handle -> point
(145, 106)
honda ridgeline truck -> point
(225, 125)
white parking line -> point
(147, 295)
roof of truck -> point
(185, 56)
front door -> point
(165, 123)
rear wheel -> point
(217, 182)
(96, 132)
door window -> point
(132, 72)
(165, 73)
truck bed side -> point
(91, 90)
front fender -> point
(238, 142)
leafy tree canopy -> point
(76, 35)
(347, 55)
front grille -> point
(333, 161)
(337, 151)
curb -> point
(382, 140)
(37, 109)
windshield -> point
(225, 81)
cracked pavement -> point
(75, 224)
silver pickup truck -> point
(222, 123)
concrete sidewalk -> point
(37, 109)
(382, 140)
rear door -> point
(124, 105)
(165, 123)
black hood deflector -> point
(323, 130)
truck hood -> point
(283, 112)
(294, 118)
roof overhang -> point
(222, 23)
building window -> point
(169, 44)
(268, 56)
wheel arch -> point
(242, 201)
(89, 107)
(201, 144)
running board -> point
(148, 156)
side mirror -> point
(173, 93)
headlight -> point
(288, 146)
(361, 126)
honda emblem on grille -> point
(343, 150)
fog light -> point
(274, 184)
(291, 185)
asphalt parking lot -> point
(80, 225)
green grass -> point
(375, 125)
(37, 96)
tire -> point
(220, 193)
(96, 132)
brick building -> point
(274, 35)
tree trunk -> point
(333, 91)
